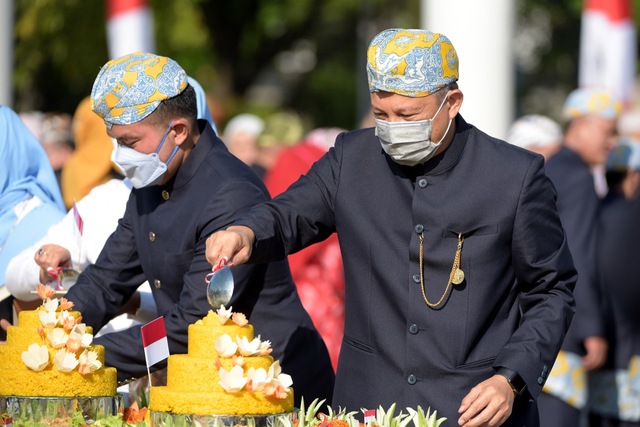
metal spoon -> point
(219, 284)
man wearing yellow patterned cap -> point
(458, 279)
(590, 116)
(186, 186)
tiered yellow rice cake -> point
(193, 379)
(16, 379)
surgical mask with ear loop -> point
(409, 143)
(143, 170)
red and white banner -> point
(608, 48)
(129, 27)
(154, 340)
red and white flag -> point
(154, 340)
(608, 48)
(78, 219)
(129, 27)
(369, 416)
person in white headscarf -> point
(536, 133)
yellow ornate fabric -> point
(567, 380)
(130, 88)
(412, 63)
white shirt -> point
(100, 211)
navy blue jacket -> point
(512, 309)
(161, 238)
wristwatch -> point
(515, 380)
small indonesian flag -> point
(154, 340)
(369, 416)
(78, 219)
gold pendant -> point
(458, 276)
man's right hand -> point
(234, 243)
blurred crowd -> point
(56, 167)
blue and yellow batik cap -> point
(131, 87)
(625, 156)
(591, 101)
(413, 63)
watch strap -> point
(515, 380)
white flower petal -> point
(89, 359)
(232, 381)
(48, 318)
(247, 348)
(57, 337)
(286, 381)
(36, 357)
(225, 347)
(65, 361)
(51, 305)
(224, 314)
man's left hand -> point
(487, 404)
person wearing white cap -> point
(536, 133)
(458, 276)
(614, 400)
(186, 185)
(590, 133)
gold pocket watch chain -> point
(456, 276)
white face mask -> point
(143, 170)
(409, 143)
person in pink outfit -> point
(317, 270)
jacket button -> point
(411, 379)
(422, 182)
(152, 236)
(415, 278)
(157, 283)
(165, 194)
(414, 329)
(540, 380)
(419, 228)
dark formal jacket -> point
(512, 309)
(617, 255)
(161, 238)
(578, 206)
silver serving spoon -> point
(219, 284)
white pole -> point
(481, 32)
(6, 52)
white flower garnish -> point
(36, 357)
(57, 337)
(225, 347)
(257, 379)
(48, 318)
(224, 314)
(275, 372)
(265, 347)
(51, 304)
(247, 348)
(64, 315)
(79, 332)
(65, 361)
(232, 381)
(89, 362)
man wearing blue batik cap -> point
(186, 186)
(458, 278)
(590, 116)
